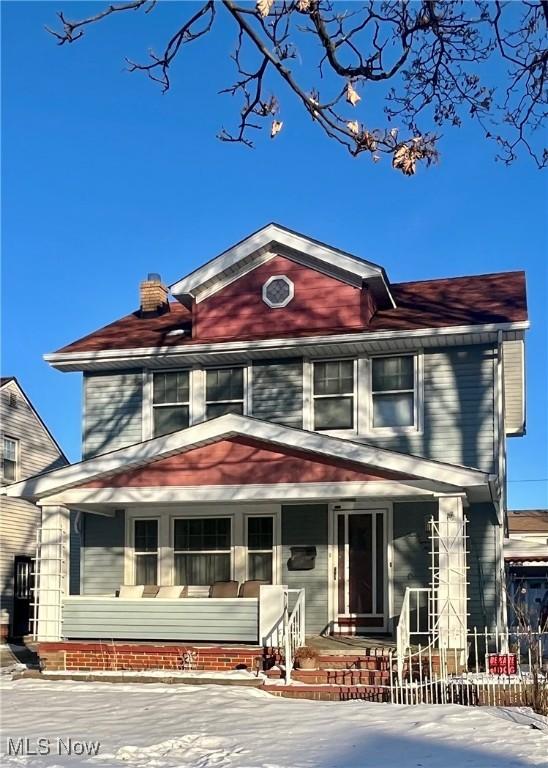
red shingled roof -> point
(472, 300)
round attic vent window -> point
(278, 291)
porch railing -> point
(293, 629)
(411, 623)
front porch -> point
(337, 533)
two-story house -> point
(28, 448)
(290, 427)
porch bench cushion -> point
(224, 589)
(130, 591)
(172, 592)
(251, 588)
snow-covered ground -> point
(162, 726)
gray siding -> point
(306, 524)
(484, 572)
(459, 411)
(277, 391)
(458, 396)
(186, 620)
(102, 554)
(113, 406)
(411, 549)
(19, 519)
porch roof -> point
(365, 467)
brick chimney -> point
(153, 295)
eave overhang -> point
(366, 342)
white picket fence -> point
(496, 668)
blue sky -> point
(104, 179)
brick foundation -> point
(94, 655)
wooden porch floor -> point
(351, 644)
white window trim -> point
(346, 432)
(278, 304)
(363, 397)
(166, 527)
(197, 394)
(418, 397)
(135, 555)
(276, 542)
(16, 443)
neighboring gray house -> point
(28, 448)
(292, 418)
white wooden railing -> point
(293, 629)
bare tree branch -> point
(432, 62)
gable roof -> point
(232, 425)
(444, 303)
(243, 256)
(4, 380)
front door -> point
(23, 579)
(360, 571)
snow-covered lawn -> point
(164, 726)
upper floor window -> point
(393, 391)
(333, 394)
(224, 391)
(10, 457)
(170, 401)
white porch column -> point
(53, 569)
(451, 578)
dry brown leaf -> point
(264, 6)
(368, 141)
(352, 96)
(353, 127)
(404, 160)
(304, 5)
(277, 126)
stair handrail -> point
(294, 629)
(404, 630)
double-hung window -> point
(260, 547)
(145, 546)
(393, 392)
(170, 401)
(333, 394)
(202, 550)
(10, 450)
(224, 391)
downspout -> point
(501, 480)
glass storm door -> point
(361, 570)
